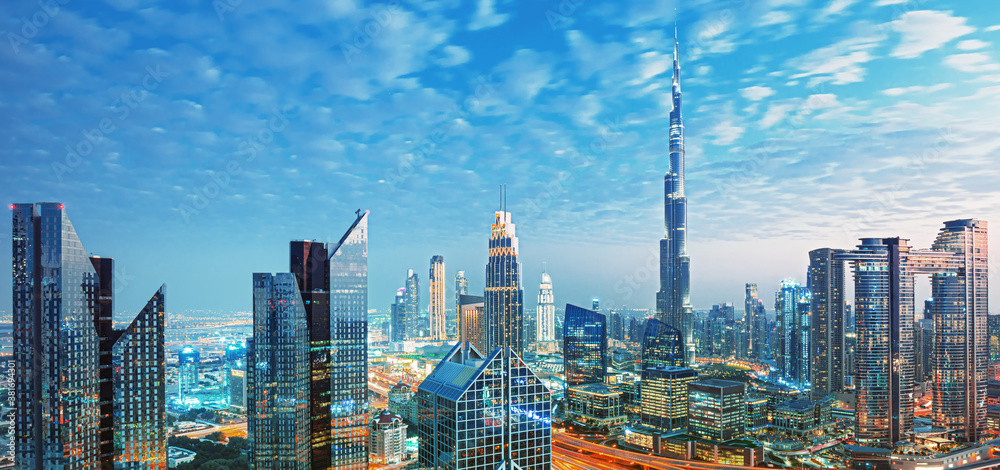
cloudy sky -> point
(191, 140)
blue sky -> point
(191, 140)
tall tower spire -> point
(673, 301)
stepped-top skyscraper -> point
(673, 301)
(504, 313)
(439, 323)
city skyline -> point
(925, 100)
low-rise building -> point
(802, 417)
(756, 413)
(177, 456)
(596, 406)
(387, 439)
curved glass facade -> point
(585, 346)
(662, 346)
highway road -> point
(230, 430)
(605, 454)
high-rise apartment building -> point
(826, 284)
(88, 395)
(480, 411)
(188, 366)
(585, 346)
(412, 302)
(278, 406)
(504, 296)
(673, 301)
(387, 439)
(436, 309)
(750, 301)
(545, 312)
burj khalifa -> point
(673, 301)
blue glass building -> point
(662, 346)
(585, 346)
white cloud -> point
(915, 89)
(995, 27)
(881, 3)
(925, 30)
(454, 55)
(971, 62)
(486, 16)
(840, 63)
(756, 93)
(836, 7)
(774, 114)
(725, 132)
(774, 17)
(972, 44)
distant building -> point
(461, 288)
(716, 409)
(664, 395)
(756, 413)
(792, 307)
(545, 312)
(402, 402)
(177, 456)
(585, 346)
(478, 412)
(188, 363)
(411, 302)
(802, 417)
(238, 384)
(436, 309)
(472, 321)
(387, 439)
(397, 317)
(596, 406)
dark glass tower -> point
(794, 321)
(349, 335)
(278, 385)
(673, 301)
(504, 296)
(826, 283)
(397, 317)
(585, 346)
(88, 395)
(662, 346)
(310, 264)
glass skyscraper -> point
(188, 363)
(792, 310)
(309, 262)
(961, 353)
(717, 409)
(826, 283)
(662, 346)
(438, 322)
(664, 397)
(461, 288)
(585, 346)
(472, 321)
(397, 317)
(87, 395)
(412, 302)
(504, 296)
(484, 412)
(349, 324)
(673, 301)
(545, 312)
(278, 408)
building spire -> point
(677, 64)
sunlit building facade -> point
(472, 321)
(585, 346)
(484, 412)
(436, 310)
